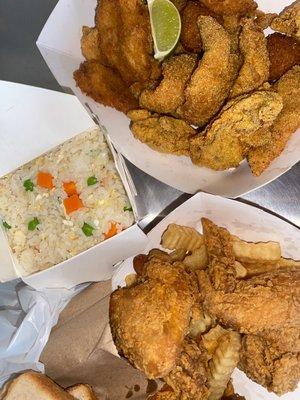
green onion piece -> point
(28, 185)
(87, 229)
(33, 224)
(127, 208)
(92, 180)
(6, 225)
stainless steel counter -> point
(20, 61)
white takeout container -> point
(59, 43)
(34, 121)
(247, 222)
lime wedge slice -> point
(165, 26)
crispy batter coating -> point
(189, 379)
(190, 35)
(164, 134)
(165, 393)
(227, 7)
(288, 20)
(179, 4)
(104, 86)
(284, 126)
(125, 39)
(212, 80)
(150, 320)
(255, 69)
(278, 372)
(220, 146)
(220, 253)
(169, 94)
(89, 43)
(264, 302)
(284, 53)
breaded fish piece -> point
(227, 7)
(190, 35)
(287, 122)
(149, 320)
(104, 85)
(125, 39)
(164, 134)
(213, 78)
(221, 145)
(288, 20)
(89, 43)
(255, 69)
(284, 53)
(169, 94)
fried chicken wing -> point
(221, 145)
(164, 134)
(104, 85)
(255, 69)
(212, 80)
(150, 319)
(287, 122)
(190, 35)
(284, 53)
(125, 40)
(288, 20)
(169, 94)
(227, 7)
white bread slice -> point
(33, 386)
(82, 392)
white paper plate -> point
(59, 43)
(247, 222)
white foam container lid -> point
(34, 121)
(59, 43)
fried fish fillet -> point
(125, 40)
(288, 20)
(169, 94)
(190, 35)
(149, 320)
(255, 69)
(287, 122)
(164, 134)
(227, 7)
(222, 145)
(212, 80)
(104, 86)
(284, 53)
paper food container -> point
(34, 121)
(59, 43)
(79, 345)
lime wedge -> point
(165, 26)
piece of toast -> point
(33, 386)
(82, 392)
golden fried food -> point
(263, 302)
(179, 4)
(284, 53)
(181, 237)
(104, 85)
(150, 319)
(287, 122)
(221, 145)
(190, 35)
(164, 134)
(212, 80)
(278, 371)
(169, 94)
(255, 69)
(288, 20)
(165, 393)
(227, 7)
(189, 378)
(220, 254)
(89, 43)
(125, 40)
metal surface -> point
(20, 61)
